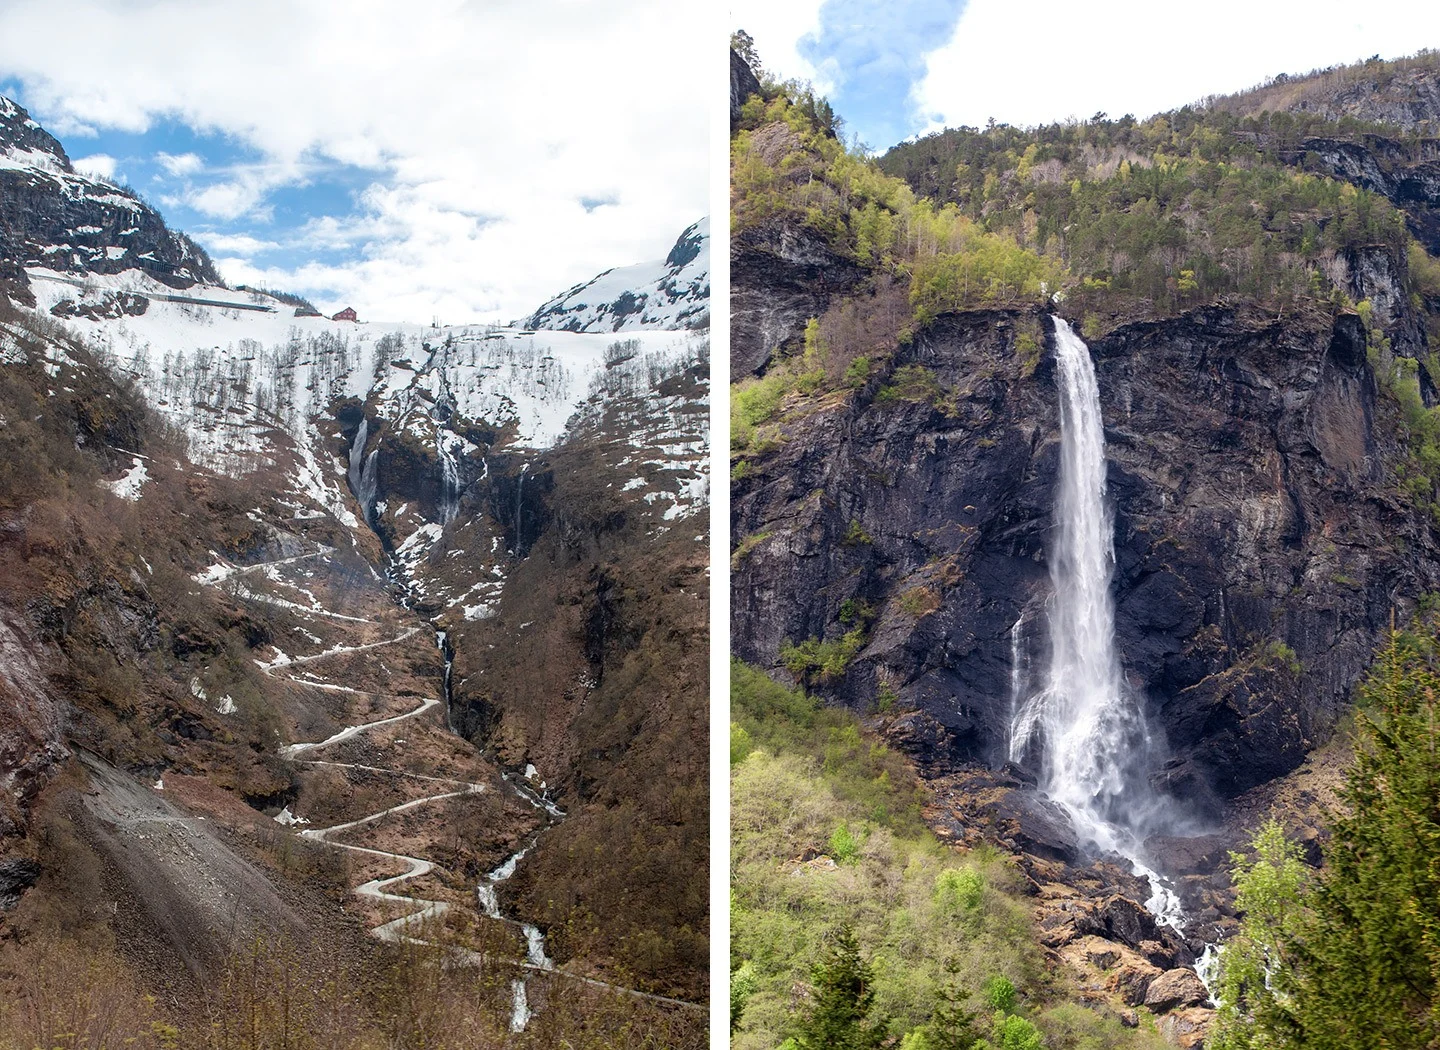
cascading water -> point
(1089, 729)
(520, 504)
(363, 472)
(450, 482)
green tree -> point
(1356, 961)
(1370, 972)
(951, 1026)
(844, 992)
(1256, 982)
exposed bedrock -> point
(1261, 541)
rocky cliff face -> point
(1261, 545)
(1404, 93)
(1406, 173)
(743, 84)
(54, 218)
(781, 275)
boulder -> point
(1176, 988)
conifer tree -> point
(1370, 966)
(844, 993)
(1355, 962)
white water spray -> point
(1088, 726)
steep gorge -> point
(234, 535)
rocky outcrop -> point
(781, 275)
(1408, 174)
(1176, 988)
(32, 727)
(743, 84)
(1261, 545)
(53, 217)
(1405, 93)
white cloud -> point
(776, 29)
(487, 122)
(1028, 64)
(98, 165)
(180, 165)
(234, 243)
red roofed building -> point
(347, 314)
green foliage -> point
(746, 545)
(743, 982)
(1371, 970)
(885, 697)
(1169, 212)
(1255, 981)
(856, 611)
(811, 772)
(844, 847)
(914, 383)
(1013, 1033)
(1355, 960)
(741, 744)
(1277, 654)
(855, 535)
(843, 996)
(982, 269)
(857, 372)
(753, 403)
(869, 778)
(1000, 994)
(959, 891)
(821, 660)
(1424, 271)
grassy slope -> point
(827, 831)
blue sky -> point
(465, 159)
(226, 193)
(869, 56)
(896, 69)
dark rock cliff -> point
(1407, 174)
(52, 217)
(743, 84)
(781, 275)
(1261, 544)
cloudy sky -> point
(434, 157)
(895, 68)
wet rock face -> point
(1260, 543)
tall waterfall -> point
(1086, 724)
(362, 471)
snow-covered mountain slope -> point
(54, 217)
(669, 294)
(251, 385)
(390, 427)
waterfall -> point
(519, 505)
(520, 1012)
(450, 483)
(362, 472)
(1088, 726)
(1019, 681)
(357, 454)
